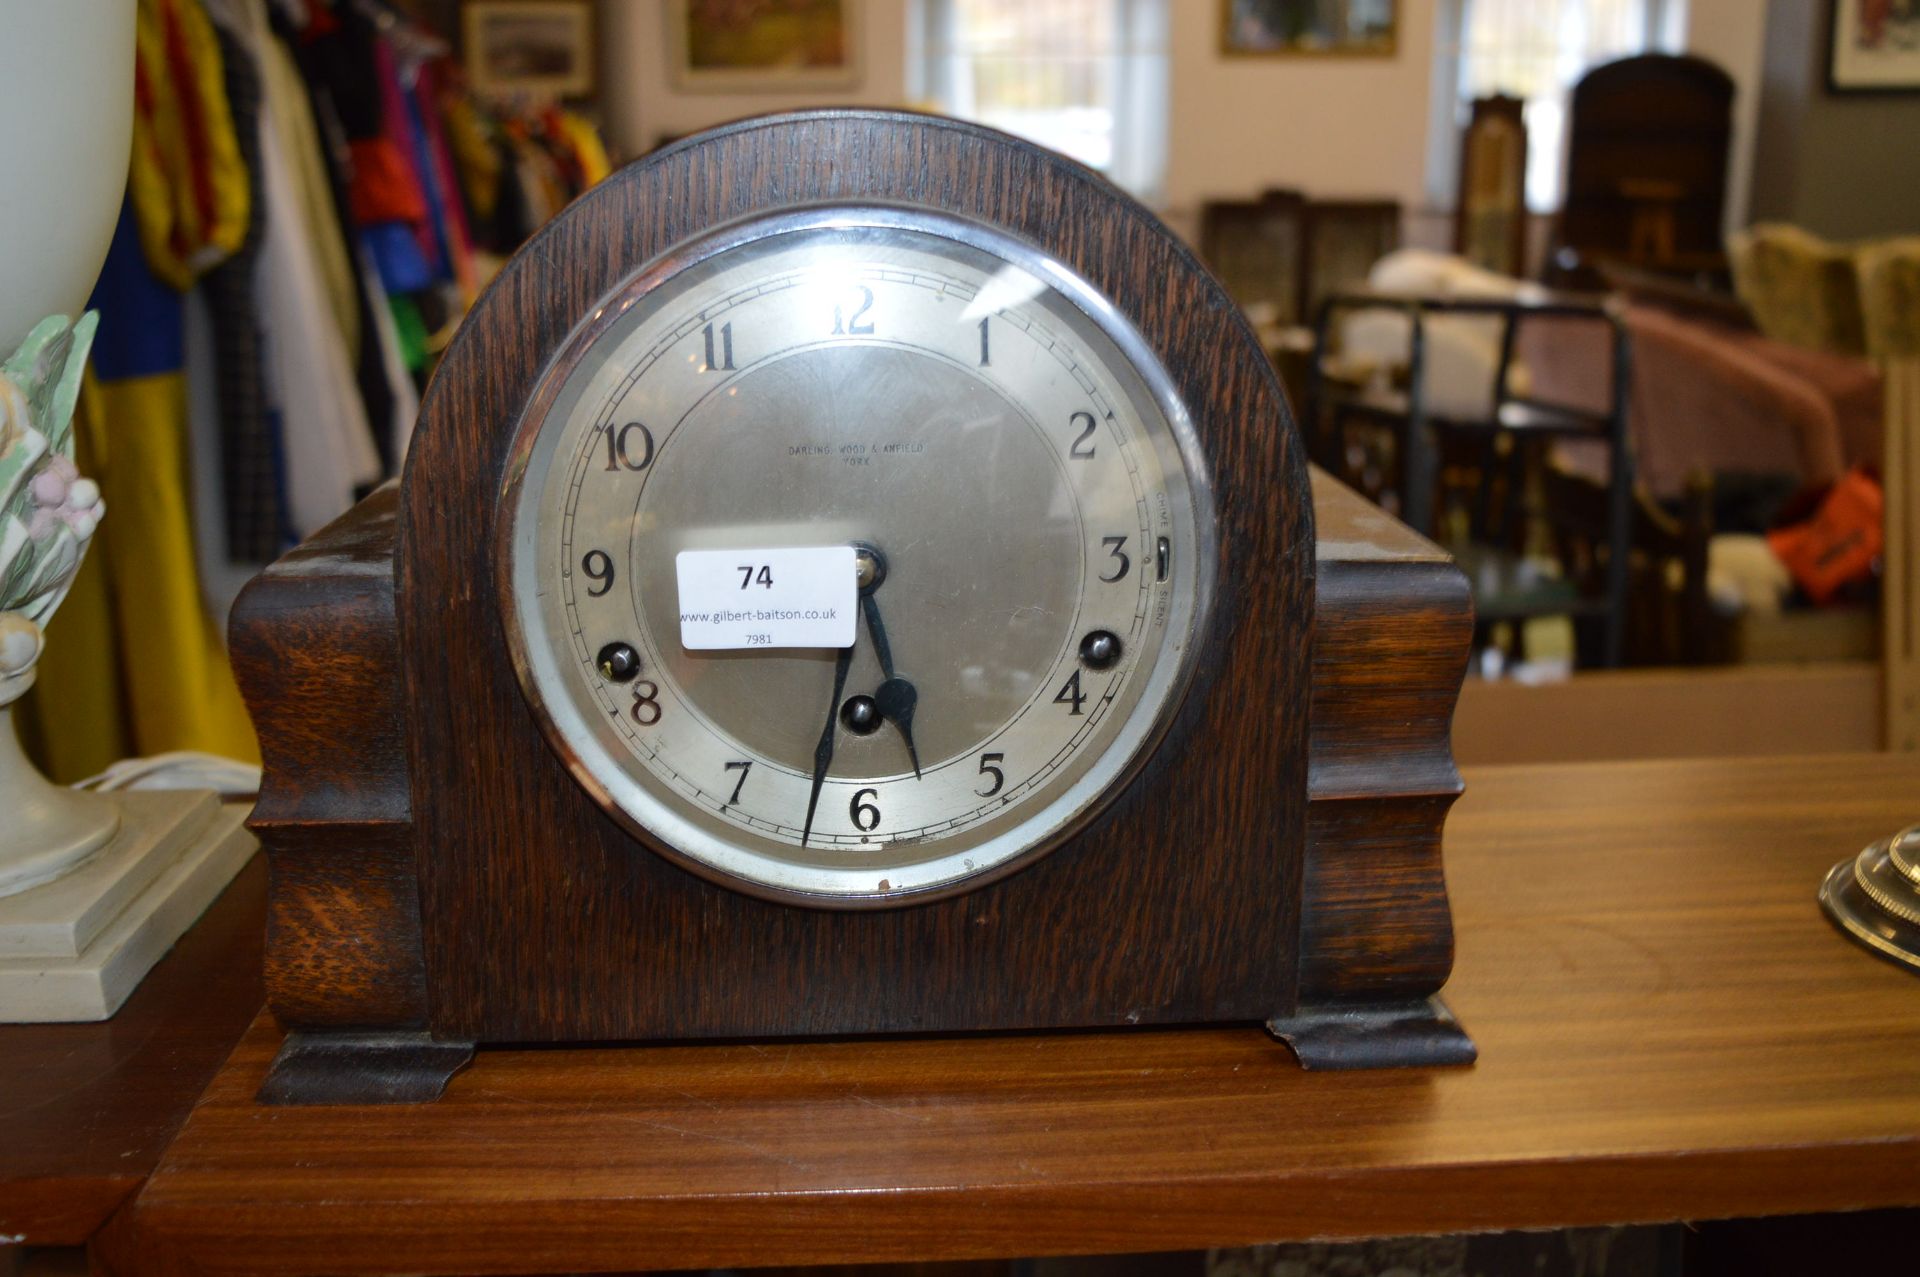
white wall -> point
(1732, 34)
(1329, 126)
(642, 105)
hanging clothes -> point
(589, 151)
(139, 664)
(394, 370)
(248, 430)
(186, 178)
(175, 683)
(317, 174)
(442, 186)
(306, 293)
(387, 392)
(298, 134)
(475, 158)
(325, 435)
(425, 108)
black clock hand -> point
(896, 697)
(823, 752)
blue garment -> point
(142, 319)
(429, 185)
(396, 255)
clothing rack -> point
(315, 199)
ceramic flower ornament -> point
(48, 512)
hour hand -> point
(896, 697)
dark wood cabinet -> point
(1647, 146)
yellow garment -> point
(187, 178)
(473, 155)
(133, 665)
(293, 124)
(587, 147)
(541, 182)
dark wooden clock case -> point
(439, 879)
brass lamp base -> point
(1875, 897)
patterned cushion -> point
(1801, 289)
(1889, 274)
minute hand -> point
(896, 697)
(823, 752)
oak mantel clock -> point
(855, 573)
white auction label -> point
(767, 598)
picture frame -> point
(1302, 28)
(762, 46)
(1872, 48)
(530, 48)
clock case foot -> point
(414, 1068)
(1394, 1035)
(361, 1068)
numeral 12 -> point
(845, 326)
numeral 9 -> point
(598, 565)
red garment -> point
(193, 114)
(384, 189)
(398, 127)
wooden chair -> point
(1490, 207)
(1515, 432)
(1668, 619)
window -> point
(1535, 50)
(1084, 77)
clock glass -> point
(968, 548)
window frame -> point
(1665, 26)
(1142, 106)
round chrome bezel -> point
(595, 762)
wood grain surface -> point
(86, 1109)
(317, 656)
(1668, 1029)
(315, 647)
(1393, 626)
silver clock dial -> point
(1017, 474)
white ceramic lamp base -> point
(48, 829)
(74, 948)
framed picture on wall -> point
(1308, 28)
(754, 46)
(537, 48)
(1873, 46)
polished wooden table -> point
(86, 1109)
(1668, 1026)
